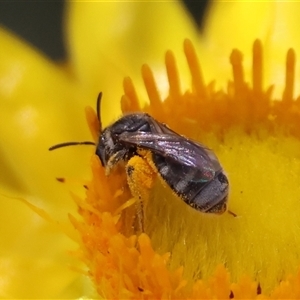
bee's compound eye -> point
(101, 153)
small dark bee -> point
(191, 170)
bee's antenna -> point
(85, 142)
(99, 110)
(70, 144)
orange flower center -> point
(182, 250)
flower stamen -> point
(93, 122)
(257, 67)
(173, 76)
(289, 78)
(195, 69)
(236, 59)
(152, 91)
(129, 101)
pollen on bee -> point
(140, 177)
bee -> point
(189, 168)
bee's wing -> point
(177, 148)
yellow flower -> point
(257, 143)
(35, 95)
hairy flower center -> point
(264, 193)
(257, 143)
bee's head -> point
(107, 146)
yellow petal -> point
(109, 40)
(34, 258)
(236, 24)
(39, 107)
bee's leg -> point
(140, 178)
(113, 161)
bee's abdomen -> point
(183, 180)
(188, 184)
